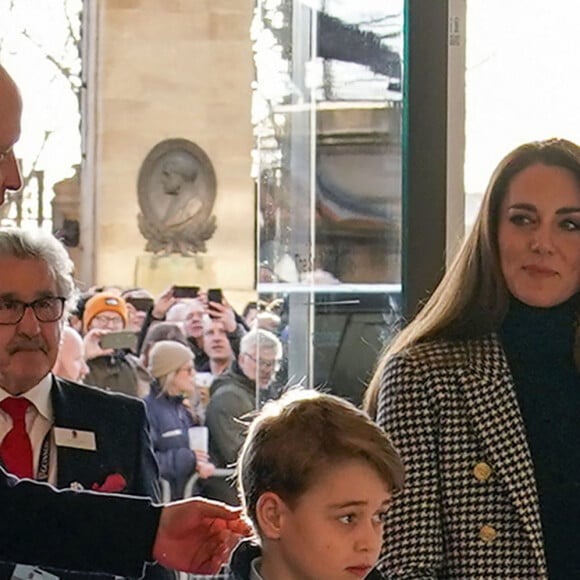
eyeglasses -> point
(266, 364)
(189, 370)
(48, 309)
(105, 320)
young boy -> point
(316, 476)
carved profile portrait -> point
(177, 190)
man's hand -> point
(135, 318)
(92, 344)
(163, 303)
(197, 535)
(225, 313)
(205, 468)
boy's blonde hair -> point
(296, 438)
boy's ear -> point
(270, 511)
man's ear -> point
(270, 512)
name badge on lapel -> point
(75, 438)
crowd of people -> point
(464, 463)
(194, 362)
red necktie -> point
(16, 449)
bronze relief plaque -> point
(177, 190)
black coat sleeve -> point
(81, 531)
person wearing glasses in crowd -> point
(76, 530)
(172, 367)
(481, 392)
(117, 369)
(233, 394)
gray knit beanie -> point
(166, 356)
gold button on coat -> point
(487, 534)
(482, 471)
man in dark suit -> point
(76, 436)
(121, 459)
(70, 530)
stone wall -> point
(174, 68)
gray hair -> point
(260, 339)
(177, 312)
(207, 321)
(40, 245)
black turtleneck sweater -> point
(539, 346)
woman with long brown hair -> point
(481, 391)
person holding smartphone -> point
(139, 301)
(214, 304)
(196, 303)
(109, 347)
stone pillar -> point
(66, 214)
(174, 70)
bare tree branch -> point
(70, 53)
(63, 70)
(71, 28)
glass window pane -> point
(327, 118)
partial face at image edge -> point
(10, 113)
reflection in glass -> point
(328, 104)
(327, 113)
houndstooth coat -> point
(470, 507)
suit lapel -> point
(491, 402)
(73, 465)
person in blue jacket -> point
(170, 415)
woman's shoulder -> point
(444, 354)
(427, 374)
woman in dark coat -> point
(171, 364)
(481, 392)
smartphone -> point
(185, 291)
(143, 304)
(214, 295)
(125, 339)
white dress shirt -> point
(39, 420)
